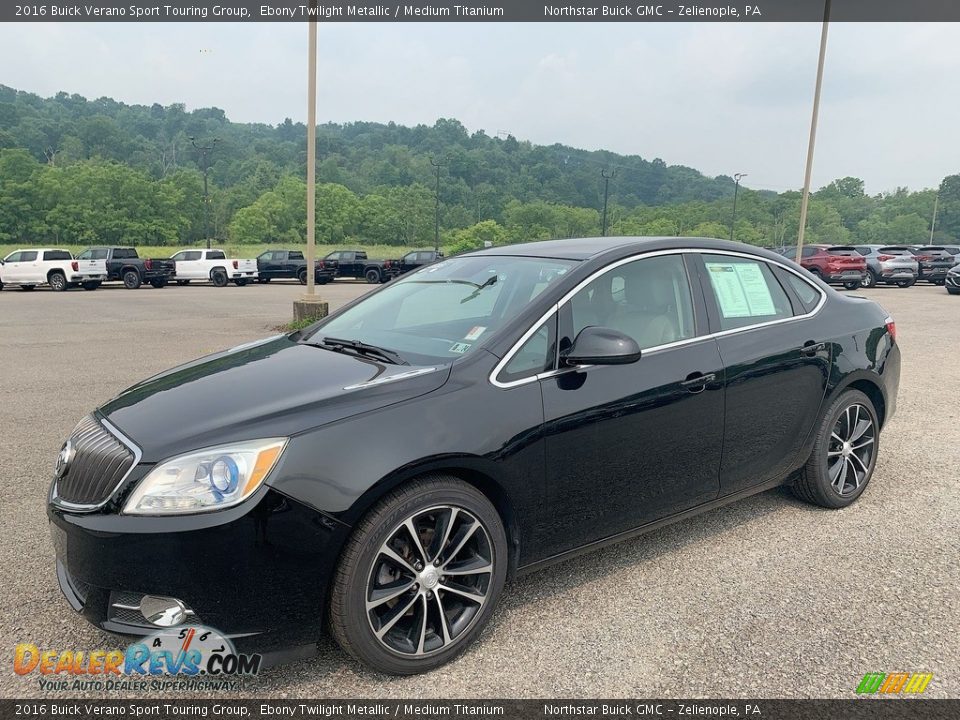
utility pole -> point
(736, 189)
(805, 201)
(606, 194)
(205, 151)
(436, 228)
(933, 222)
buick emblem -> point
(64, 458)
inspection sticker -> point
(475, 332)
(460, 348)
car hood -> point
(271, 388)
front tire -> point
(91, 285)
(132, 280)
(844, 453)
(158, 283)
(420, 576)
(855, 285)
(953, 291)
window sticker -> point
(741, 289)
(475, 332)
(459, 348)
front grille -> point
(99, 463)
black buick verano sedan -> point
(383, 472)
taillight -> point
(892, 328)
(75, 265)
(148, 264)
(923, 258)
(236, 264)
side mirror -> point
(602, 346)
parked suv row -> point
(834, 264)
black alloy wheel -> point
(132, 280)
(219, 278)
(302, 277)
(844, 453)
(855, 285)
(420, 577)
(373, 277)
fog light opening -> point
(162, 611)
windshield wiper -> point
(362, 348)
(492, 280)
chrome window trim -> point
(657, 348)
(137, 455)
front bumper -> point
(257, 573)
(953, 281)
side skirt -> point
(654, 525)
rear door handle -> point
(698, 382)
(812, 348)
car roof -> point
(591, 247)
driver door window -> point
(648, 299)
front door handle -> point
(697, 382)
(812, 348)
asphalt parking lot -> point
(766, 598)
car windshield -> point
(442, 312)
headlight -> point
(209, 479)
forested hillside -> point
(74, 170)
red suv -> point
(834, 264)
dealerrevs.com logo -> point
(184, 658)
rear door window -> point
(124, 254)
(57, 255)
(746, 291)
(28, 256)
(215, 255)
(295, 255)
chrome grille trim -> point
(86, 429)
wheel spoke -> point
(836, 437)
(385, 628)
(443, 620)
(854, 456)
(393, 555)
(835, 472)
(863, 444)
(423, 625)
(389, 593)
(416, 540)
(479, 599)
(860, 429)
(463, 541)
(436, 547)
(474, 567)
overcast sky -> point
(719, 98)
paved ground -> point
(769, 598)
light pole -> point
(205, 151)
(933, 222)
(436, 219)
(606, 194)
(805, 201)
(736, 189)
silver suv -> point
(889, 265)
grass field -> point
(378, 252)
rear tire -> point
(132, 280)
(457, 531)
(373, 277)
(870, 279)
(844, 453)
(58, 281)
(91, 285)
(905, 283)
(240, 282)
(302, 277)
(219, 278)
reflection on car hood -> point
(271, 388)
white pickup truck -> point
(48, 266)
(213, 265)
